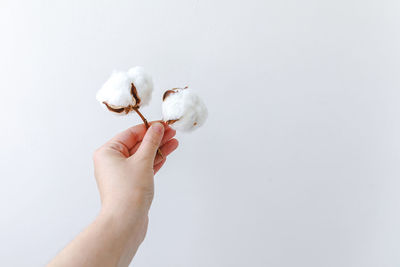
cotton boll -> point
(118, 94)
(183, 109)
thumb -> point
(151, 142)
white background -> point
(298, 164)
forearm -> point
(111, 240)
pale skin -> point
(124, 171)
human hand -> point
(125, 167)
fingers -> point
(128, 140)
(166, 149)
(158, 166)
(150, 143)
(129, 137)
(168, 134)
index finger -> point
(131, 136)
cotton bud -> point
(126, 91)
(183, 109)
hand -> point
(124, 170)
(125, 167)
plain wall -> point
(297, 165)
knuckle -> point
(118, 146)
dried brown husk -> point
(170, 122)
(173, 91)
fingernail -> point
(158, 127)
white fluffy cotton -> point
(116, 91)
(186, 107)
(143, 83)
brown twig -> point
(142, 117)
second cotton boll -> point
(183, 109)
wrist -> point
(136, 203)
(122, 216)
(125, 231)
(124, 225)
